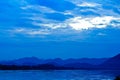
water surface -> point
(58, 74)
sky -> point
(59, 28)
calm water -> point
(58, 75)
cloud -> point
(87, 4)
(38, 8)
(79, 23)
(51, 25)
(31, 32)
(55, 20)
(101, 34)
(79, 3)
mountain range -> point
(58, 63)
(36, 61)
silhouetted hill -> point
(94, 61)
(23, 61)
(112, 63)
(56, 61)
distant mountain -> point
(57, 62)
(94, 61)
(112, 63)
(23, 61)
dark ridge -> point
(116, 57)
(112, 63)
(34, 63)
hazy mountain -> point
(112, 63)
(57, 61)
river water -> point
(58, 74)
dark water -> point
(59, 75)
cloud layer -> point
(75, 19)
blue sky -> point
(64, 28)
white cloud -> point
(30, 32)
(101, 34)
(84, 4)
(68, 13)
(39, 8)
(51, 25)
(79, 23)
(87, 4)
(105, 20)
